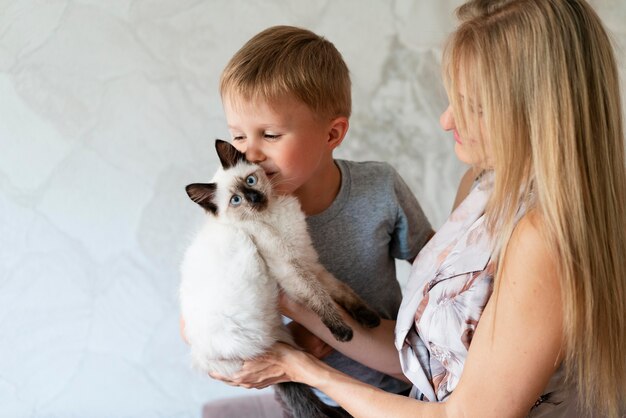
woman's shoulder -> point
(530, 231)
(530, 254)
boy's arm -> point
(412, 229)
(308, 341)
(429, 236)
(465, 185)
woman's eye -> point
(236, 200)
(251, 180)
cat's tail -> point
(303, 403)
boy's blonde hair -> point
(545, 76)
(286, 61)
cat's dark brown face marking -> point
(203, 194)
(255, 198)
(229, 156)
(240, 190)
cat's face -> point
(239, 190)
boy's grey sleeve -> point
(412, 228)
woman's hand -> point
(280, 364)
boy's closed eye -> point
(271, 136)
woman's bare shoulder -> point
(529, 254)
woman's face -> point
(470, 140)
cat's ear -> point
(229, 156)
(203, 194)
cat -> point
(253, 244)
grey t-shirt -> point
(374, 219)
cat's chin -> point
(247, 218)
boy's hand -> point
(287, 306)
(308, 341)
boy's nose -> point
(254, 154)
(446, 120)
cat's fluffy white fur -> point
(252, 244)
(228, 298)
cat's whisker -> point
(286, 181)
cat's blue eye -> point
(236, 200)
(251, 180)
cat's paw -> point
(341, 333)
(366, 317)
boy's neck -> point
(320, 192)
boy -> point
(287, 100)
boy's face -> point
(286, 139)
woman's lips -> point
(457, 138)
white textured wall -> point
(108, 108)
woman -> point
(517, 306)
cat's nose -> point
(253, 196)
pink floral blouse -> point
(450, 283)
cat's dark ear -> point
(229, 156)
(203, 194)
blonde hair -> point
(284, 61)
(545, 75)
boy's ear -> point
(229, 156)
(338, 130)
(203, 194)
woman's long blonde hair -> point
(546, 78)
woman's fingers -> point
(257, 373)
(261, 372)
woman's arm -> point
(286, 363)
(365, 341)
(515, 350)
(517, 346)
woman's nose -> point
(446, 120)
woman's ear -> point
(337, 131)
